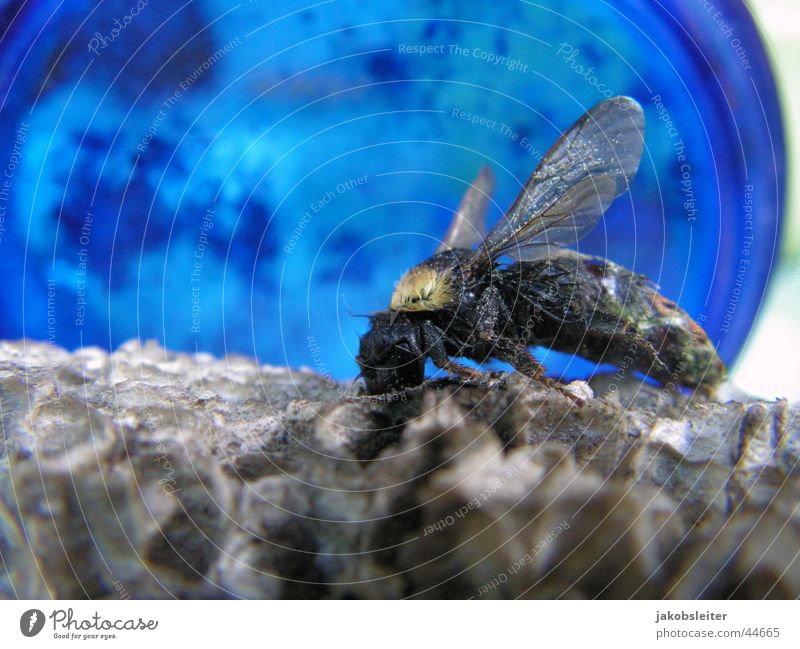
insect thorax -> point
(423, 288)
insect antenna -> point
(350, 312)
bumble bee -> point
(465, 302)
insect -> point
(465, 302)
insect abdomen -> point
(605, 313)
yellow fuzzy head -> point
(422, 289)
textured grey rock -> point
(151, 474)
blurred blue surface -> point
(238, 178)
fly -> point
(464, 302)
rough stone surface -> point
(146, 473)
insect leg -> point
(518, 356)
(651, 362)
(525, 363)
(490, 309)
(434, 343)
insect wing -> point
(570, 219)
(576, 181)
(468, 226)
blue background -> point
(292, 103)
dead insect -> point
(463, 302)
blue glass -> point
(242, 178)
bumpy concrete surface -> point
(146, 474)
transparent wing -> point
(576, 181)
(468, 226)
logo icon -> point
(31, 622)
